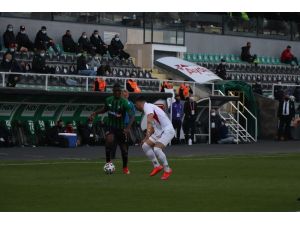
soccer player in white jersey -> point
(159, 134)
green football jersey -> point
(116, 110)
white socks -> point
(162, 157)
(150, 154)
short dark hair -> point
(288, 46)
(141, 98)
(116, 85)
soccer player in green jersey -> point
(115, 127)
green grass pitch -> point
(227, 183)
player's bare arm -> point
(150, 129)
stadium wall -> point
(195, 42)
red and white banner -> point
(188, 70)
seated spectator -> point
(224, 136)
(221, 69)
(9, 36)
(12, 49)
(99, 84)
(69, 45)
(246, 55)
(83, 67)
(95, 63)
(116, 48)
(87, 133)
(98, 43)
(185, 91)
(287, 56)
(23, 41)
(43, 41)
(69, 128)
(104, 70)
(9, 64)
(85, 45)
(39, 63)
(52, 137)
(132, 86)
(256, 87)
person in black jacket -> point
(9, 36)
(83, 67)
(23, 41)
(246, 55)
(116, 48)
(53, 137)
(69, 45)
(99, 45)
(85, 45)
(285, 113)
(87, 132)
(256, 87)
(43, 41)
(9, 64)
(221, 69)
(39, 63)
(189, 122)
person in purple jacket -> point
(177, 114)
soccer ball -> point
(109, 168)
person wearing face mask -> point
(224, 136)
(9, 36)
(39, 63)
(97, 42)
(177, 115)
(69, 45)
(85, 44)
(83, 68)
(9, 64)
(116, 48)
(221, 69)
(23, 41)
(43, 41)
(87, 132)
(285, 114)
(190, 114)
(95, 63)
(215, 123)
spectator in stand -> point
(189, 122)
(278, 91)
(23, 41)
(246, 55)
(43, 41)
(95, 63)
(256, 87)
(9, 64)
(69, 45)
(221, 69)
(185, 91)
(286, 113)
(12, 49)
(224, 136)
(9, 36)
(132, 86)
(85, 45)
(177, 115)
(83, 67)
(98, 44)
(166, 85)
(39, 63)
(104, 70)
(116, 48)
(100, 84)
(288, 57)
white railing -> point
(236, 122)
(87, 80)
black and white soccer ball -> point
(109, 168)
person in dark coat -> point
(116, 48)
(39, 63)
(285, 113)
(98, 44)
(9, 36)
(85, 45)
(53, 139)
(23, 41)
(43, 41)
(83, 67)
(221, 69)
(296, 92)
(278, 91)
(256, 87)
(9, 64)
(87, 132)
(189, 122)
(69, 45)
(246, 55)
(215, 124)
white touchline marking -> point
(142, 161)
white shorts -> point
(165, 136)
